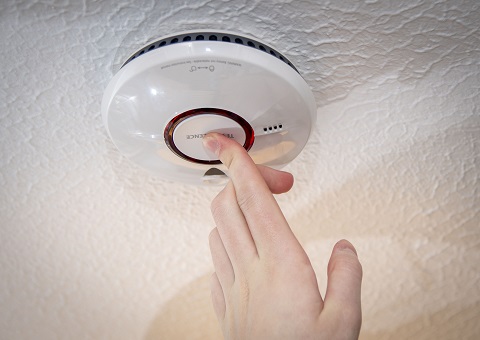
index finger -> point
(266, 222)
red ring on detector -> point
(170, 128)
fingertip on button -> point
(211, 144)
(185, 135)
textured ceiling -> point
(94, 248)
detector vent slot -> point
(211, 36)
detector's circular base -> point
(173, 91)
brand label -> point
(201, 135)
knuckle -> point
(244, 291)
(247, 201)
(220, 204)
(347, 263)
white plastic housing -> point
(154, 88)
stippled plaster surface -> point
(92, 247)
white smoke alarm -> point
(173, 91)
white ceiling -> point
(93, 247)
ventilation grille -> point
(212, 36)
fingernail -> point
(211, 144)
(344, 245)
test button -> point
(184, 134)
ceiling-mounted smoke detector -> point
(173, 91)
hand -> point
(264, 286)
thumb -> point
(278, 181)
(342, 298)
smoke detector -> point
(173, 91)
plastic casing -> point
(152, 89)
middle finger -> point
(232, 227)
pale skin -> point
(264, 286)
